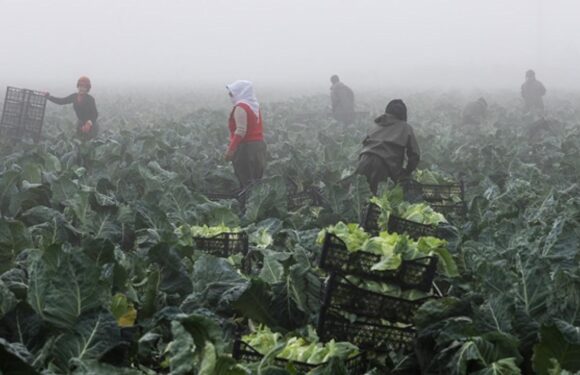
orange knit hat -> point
(84, 81)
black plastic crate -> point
(396, 224)
(373, 335)
(23, 113)
(356, 365)
(342, 295)
(412, 274)
(437, 195)
(223, 244)
(413, 229)
(370, 219)
(433, 192)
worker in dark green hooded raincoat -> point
(390, 149)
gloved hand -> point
(86, 128)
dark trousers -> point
(375, 170)
(249, 162)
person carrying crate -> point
(342, 101)
(84, 106)
(387, 146)
(247, 149)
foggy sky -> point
(282, 43)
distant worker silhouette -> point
(342, 101)
(474, 113)
(386, 147)
(532, 92)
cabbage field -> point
(102, 272)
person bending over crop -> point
(474, 113)
(84, 106)
(247, 149)
(386, 147)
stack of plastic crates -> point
(356, 365)
(23, 114)
(371, 320)
(449, 199)
(370, 224)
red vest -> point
(254, 131)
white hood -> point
(243, 92)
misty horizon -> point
(372, 45)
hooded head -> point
(398, 109)
(243, 92)
(530, 74)
(334, 79)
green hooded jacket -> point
(392, 140)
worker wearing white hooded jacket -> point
(247, 149)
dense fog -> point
(289, 45)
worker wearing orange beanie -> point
(84, 107)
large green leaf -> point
(272, 270)
(255, 303)
(481, 352)
(348, 198)
(16, 280)
(14, 237)
(15, 359)
(93, 367)
(196, 342)
(48, 226)
(22, 325)
(505, 366)
(64, 286)
(174, 277)
(217, 283)
(266, 198)
(7, 300)
(90, 338)
(559, 341)
(8, 188)
(181, 350)
(304, 287)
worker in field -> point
(532, 93)
(390, 149)
(475, 112)
(342, 101)
(84, 107)
(247, 149)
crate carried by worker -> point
(23, 114)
